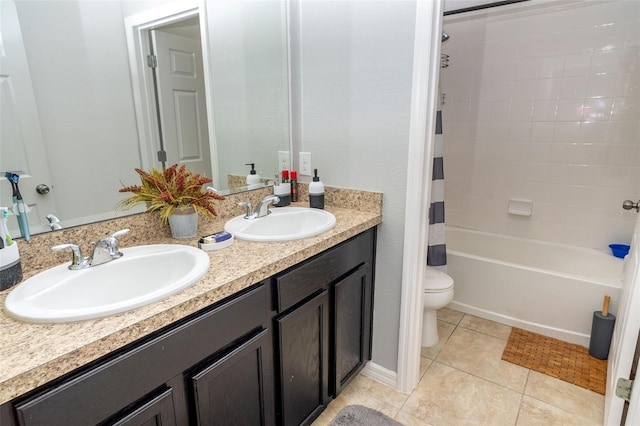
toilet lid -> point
(436, 281)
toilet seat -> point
(444, 290)
(436, 281)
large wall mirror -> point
(72, 101)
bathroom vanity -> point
(272, 351)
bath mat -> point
(565, 361)
(357, 415)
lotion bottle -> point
(253, 178)
(316, 192)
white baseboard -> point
(380, 374)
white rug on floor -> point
(357, 415)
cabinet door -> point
(237, 388)
(352, 325)
(303, 365)
(158, 410)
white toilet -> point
(438, 292)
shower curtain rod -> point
(482, 6)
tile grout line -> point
(526, 382)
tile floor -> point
(464, 382)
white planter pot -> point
(184, 223)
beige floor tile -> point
(409, 420)
(479, 354)
(424, 364)
(537, 413)
(444, 331)
(565, 395)
(364, 385)
(450, 316)
(492, 328)
(446, 396)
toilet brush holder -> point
(601, 331)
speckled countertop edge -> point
(34, 354)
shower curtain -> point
(436, 247)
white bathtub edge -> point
(556, 333)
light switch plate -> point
(305, 164)
(284, 160)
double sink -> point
(145, 274)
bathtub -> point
(548, 288)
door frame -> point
(137, 28)
(424, 101)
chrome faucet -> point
(54, 222)
(104, 251)
(263, 208)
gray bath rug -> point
(357, 415)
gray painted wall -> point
(351, 87)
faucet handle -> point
(120, 233)
(78, 261)
(250, 213)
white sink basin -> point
(283, 224)
(145, 274)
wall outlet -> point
(284, 160)
(305, 164)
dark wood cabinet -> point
(303, 336)
(236, 387)
(323, 331)
(352, 316)
(275, 353)
(157, 410)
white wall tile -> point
(630, 58)
(576, 64)
(567, 132)
(601, 86)
(623, 131)
(606, 62)
(593, 131)
(569, 110)
(558, 122)
(574, 87)
(628, 84)
(526, 89)
(499, 111)
(627, 108)
(542, 132)
(521, 111)
(545, 110)
(600, 109)
(548, 88)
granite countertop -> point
(34, 354)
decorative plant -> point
(171, 189)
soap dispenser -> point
(316, 192)
(253, 179)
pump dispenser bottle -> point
(316, 192)
(282, 189)
(253, 178)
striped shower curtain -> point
(436, 250)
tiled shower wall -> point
(543, 103)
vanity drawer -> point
(300, 282)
